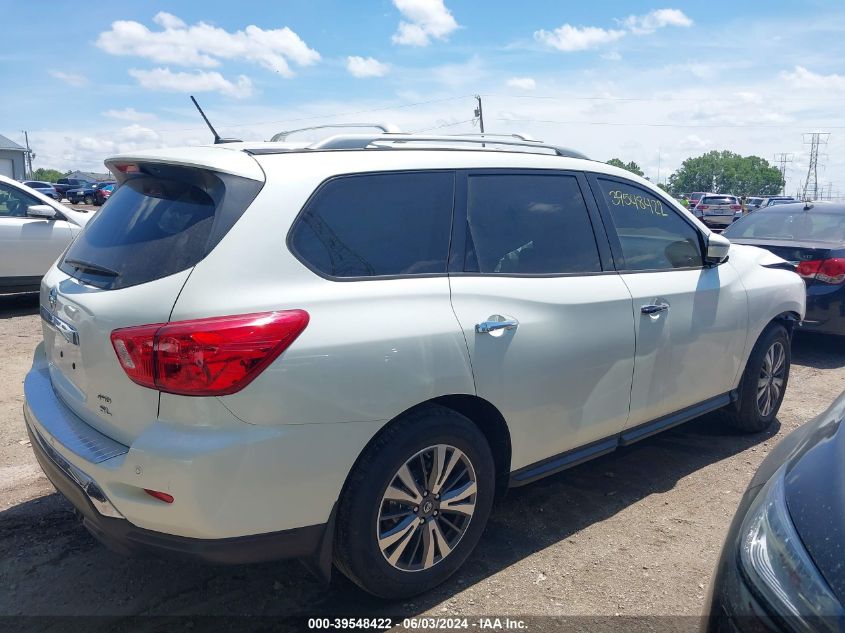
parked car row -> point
(91, 194)
(719, 211)
(76, 191)
(34, 231)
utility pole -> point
(811, 185)
(28, 155)
(479, 113)
(782, 159)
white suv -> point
(343, 352)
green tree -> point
(632, 166)
(47, 175)
(726, 172)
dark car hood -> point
(815, 494)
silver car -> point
(34, 230)
(718, 210)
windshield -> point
(790, 225)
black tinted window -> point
(150, 228)
(790, 224)
(529, 225)
(377, 224)
(653, 235)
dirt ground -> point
(630, 534)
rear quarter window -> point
(374, 225)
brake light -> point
(127, 168)
(829, 271)
(206, 357)
(736, 207)
(702, 206)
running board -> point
(568, 459)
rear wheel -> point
(763, 383)
(415, 505)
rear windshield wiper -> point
(94, 268)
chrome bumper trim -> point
(64, 425)
(83, 480)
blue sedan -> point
(812, 237)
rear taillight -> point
(829, 271)
(736, 207)
(702, 206)
(206, 357)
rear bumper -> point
(118, 534)
(825, 309)
(241, 492)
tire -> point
(89, 200)
(769, 361)
(424, 554)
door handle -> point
(496, 322)
(656, 308)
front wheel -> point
(763, 383)
(89, 200)
(416, 504)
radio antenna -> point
(217, 139)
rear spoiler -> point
(221, 159)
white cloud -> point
(128, 114)
(200, 81)
(364, 67)
(577, 38)
(71, 79)
(804, 79)
(657, 19)
(203, 45)
(612, 56)
(423, 20)
(521, 83)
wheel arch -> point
(480, 412)
(789, 319)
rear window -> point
(374, 225)
(719, 200)
(790, 225)
(155, 226)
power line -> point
(660, 98)
(479, 113)
(782, 159)
(322, 116)
(440, 127)
(812, 182)
(667, 125)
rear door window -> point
(153, 227)
(374, 225)
(528, 224)
(652, 234)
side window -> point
(377, 224)
(13, 202)
(528, 224)
(653, 236)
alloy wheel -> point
(426, 508)
(770, 382)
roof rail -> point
(363, 141)
(386, 128)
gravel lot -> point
(634, 533)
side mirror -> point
(717, 249)
(41, 211)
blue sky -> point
(644, 81)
